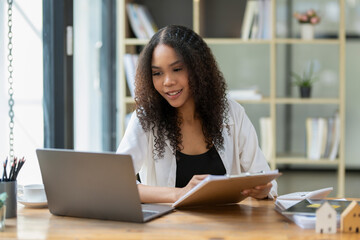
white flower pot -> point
(307, 31)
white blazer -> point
(241, 151)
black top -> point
(190, 165)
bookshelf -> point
(193, 15)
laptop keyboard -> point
(147, 213)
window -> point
(94, 75)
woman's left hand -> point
(258, 192)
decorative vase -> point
(307, 31)
(305, 92)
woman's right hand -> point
(154, 194)
(195, 180)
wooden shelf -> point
(129, 100)
(229, 41)
(307, 100)
(135, 41)
(196, 10)
(278, 101)
(300, 41)
(305, 161)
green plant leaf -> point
(307, 78)
(3, 197)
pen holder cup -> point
(11, 202)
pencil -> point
(4, 177)
(20, 164)
(12, 169)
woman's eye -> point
(177, 69)
(156, 73)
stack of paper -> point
(304, 213)
(286, 201)
(245, 94)
(305, 221)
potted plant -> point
(305, 81)
(307, 20)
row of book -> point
(256, 23)
(130, 63)
(322, 137)
(257, 20)
(141, 21)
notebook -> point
(309, 206)
(94, 185)
(224, 189)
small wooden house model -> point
(350, 218)
(326, 219)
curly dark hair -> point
(206, 83)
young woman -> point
(184, 127)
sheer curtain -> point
(28, 85)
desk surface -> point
(251, 219)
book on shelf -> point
(135, 23)
(141, 21)
(265, 19)
(254, 29)
(330, 135)
(146, 19)
(130, 62)
(248, 19)
(315, 130)
(266, 137)
(334, 148)
(322, 137)
(257, 20)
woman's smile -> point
(174, 94)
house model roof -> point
(350, 218)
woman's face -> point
(170, 76)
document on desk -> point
(288, 200)
(224, 189)
(308, 207)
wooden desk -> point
(251, 219)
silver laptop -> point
(94, 185)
